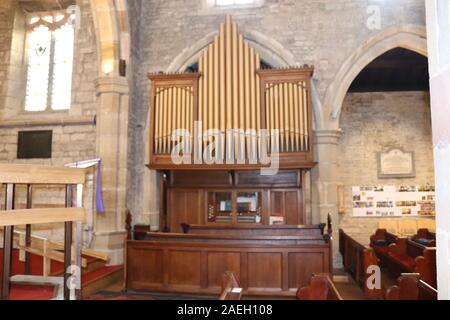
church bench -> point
(411, 287)
(381, 240)
(426, 267)
(416, 249)
(402, 258)
(357, 260)
(231, 287)
(425, 238)
(321, 287)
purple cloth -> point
(98, 193)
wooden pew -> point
(410, 287)
(357, 260)
(420, 241)
(321, 287)
(402, 258)
(231, 287)
(381, 240)
(426, 267)
(425, 237)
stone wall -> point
(372, 122)
(322, 33)
(74, 131)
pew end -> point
(321, 287)
(231, 287)
(410, 287)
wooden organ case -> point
(216, 203)
(232, 98)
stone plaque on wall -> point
(396, 163)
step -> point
(340, 278)
(95, 281)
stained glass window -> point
(50, 63)
(62, 68)
(39, 48)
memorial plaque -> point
(396, 163)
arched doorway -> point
(387, 107)
(406, 36)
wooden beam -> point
(40, 216)
(51, 254)
(29, 174)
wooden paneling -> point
(281, 194)
(195, 263)
(303, 265)
(293, 207)
(193, 178)
(184, 268)
(154, 262)
(284, 178)
(185, 206)
(220, 262)
(289, 203)
(265, 271)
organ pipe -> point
(231, 92)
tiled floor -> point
(349, 290)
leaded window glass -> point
(50, 62)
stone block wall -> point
(74, 131)
(322, 33)
(372, 122)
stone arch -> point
(269, 49)
(407, 36)
(112, 34)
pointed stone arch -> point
(112, 34)
(406, 36)
(270, 50)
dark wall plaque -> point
(34, 145)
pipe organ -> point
(239, 113)
(246, 111)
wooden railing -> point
(49, 250)
(12, 175)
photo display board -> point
(393, 201)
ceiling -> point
(44, 5)
(397, 70)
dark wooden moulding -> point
(194, 262)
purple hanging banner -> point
(98, 193)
